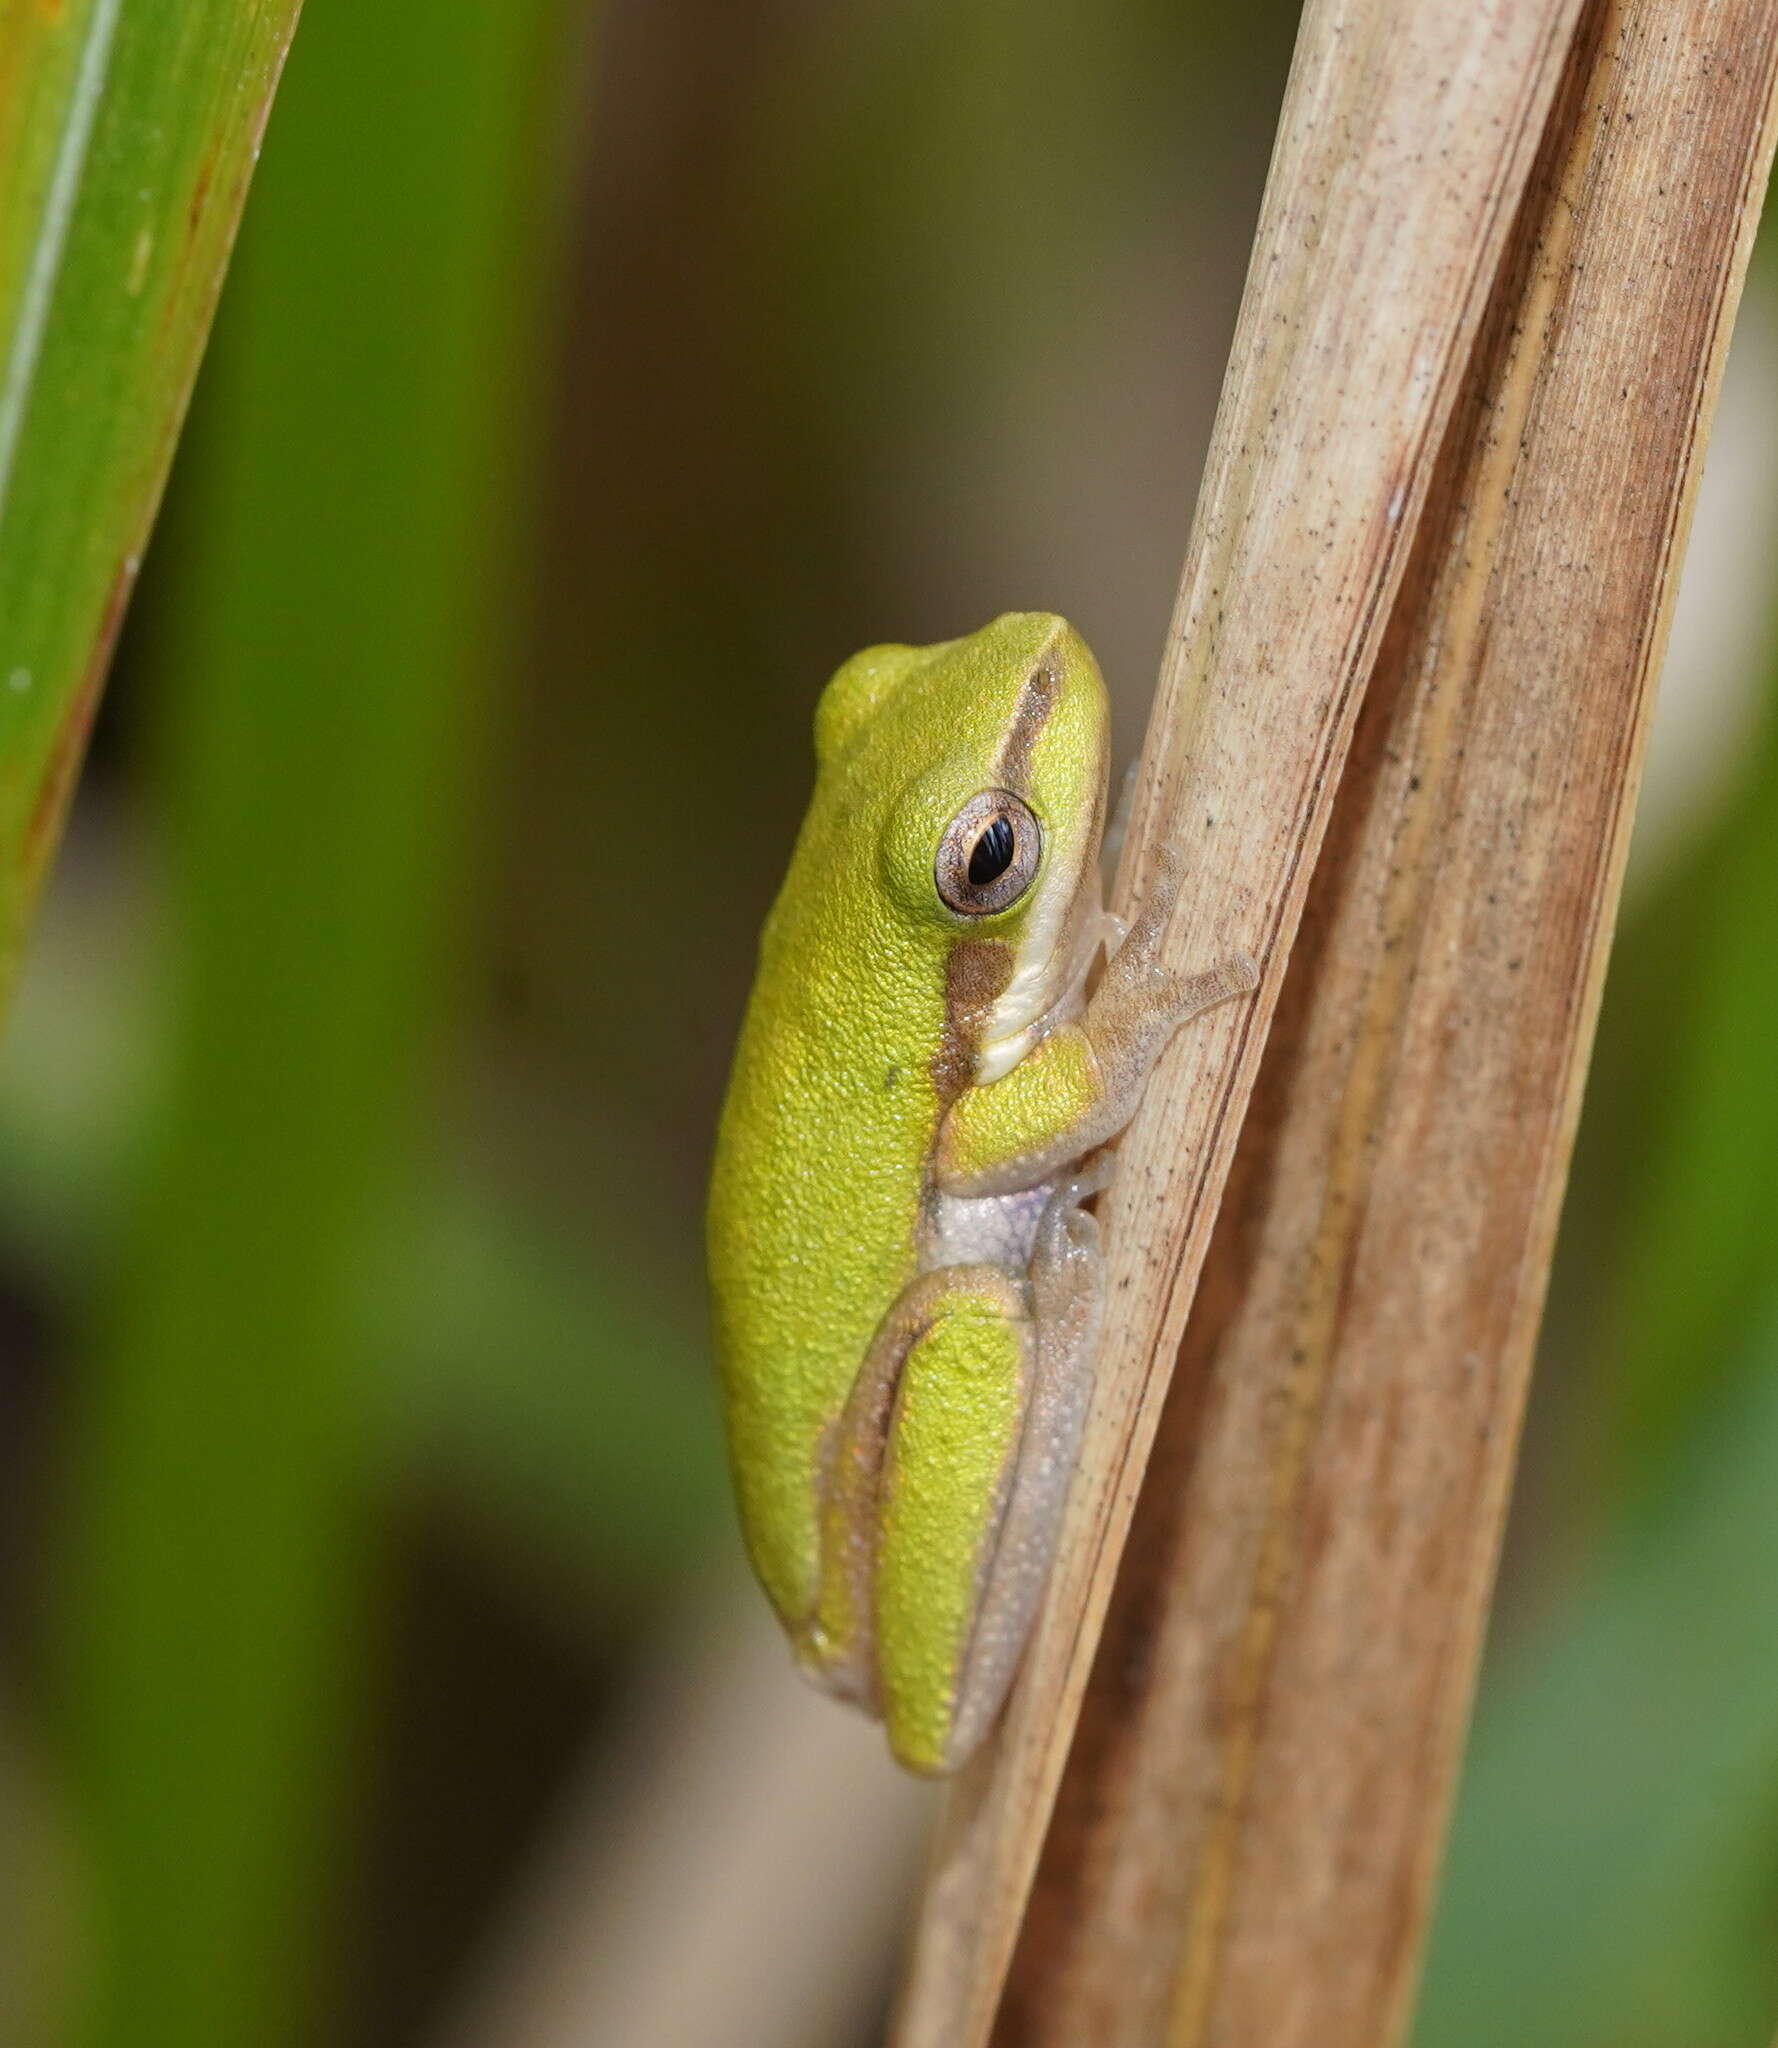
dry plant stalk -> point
(1408, 133)
(725, 1811)
(1245, 1846)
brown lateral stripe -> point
(978, 970)
(1042, 687)
(976, 975)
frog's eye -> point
(988, 855)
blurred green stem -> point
(1702, 1246)
(128, 131)
(341, 595)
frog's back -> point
(816, 1198)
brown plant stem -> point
(1246, 1842)
(1407, 136)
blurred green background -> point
(589, 382)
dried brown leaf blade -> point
(1246, 1843)
(1407, 136)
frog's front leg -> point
(1080, 1084)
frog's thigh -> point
(1066, 1293)
(837, 1647)
(947, 1479)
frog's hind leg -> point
(916, 1482)
(1067, 1297)
(947, 1481)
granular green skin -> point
(825, 1147)
(957, 1427)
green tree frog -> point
(906, 1283)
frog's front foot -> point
(1141, 998)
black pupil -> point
(991, 855)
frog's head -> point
(984, 763)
